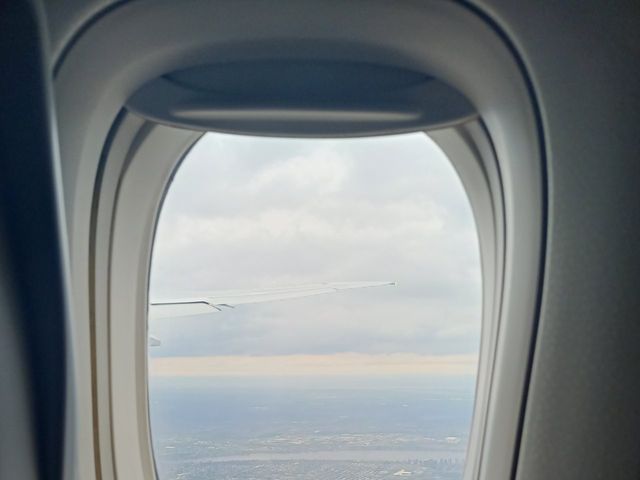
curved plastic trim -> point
(294, 98)
(134, 44)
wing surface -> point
(217, 301)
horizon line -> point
(296, 365)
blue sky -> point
(246, 212)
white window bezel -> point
(112, 199)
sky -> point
(248, 212)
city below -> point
(330, 429)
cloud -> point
(254, 212)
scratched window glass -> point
(315, 311)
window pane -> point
(342, 335)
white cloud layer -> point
(254, 212)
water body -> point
(343, 455)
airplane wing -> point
(217, 301)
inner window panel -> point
(315, 311)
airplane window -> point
(315, 311)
